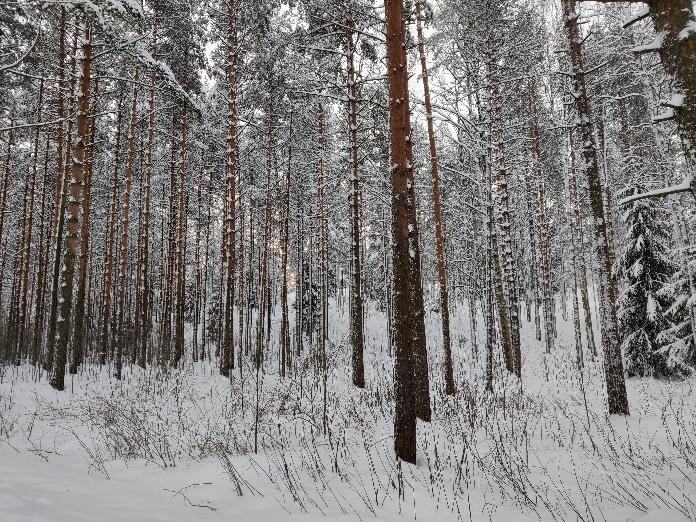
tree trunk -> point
(107, 281)
(199, 272)
(613, 363)
(79, 334)
(437, 209)
(73, 215)
(146, 311)
(285, 328)
(491, 257)
(674, 20)
(27, 236)
(405, 246)
(299, 292)
(62, 172)
(125, 226)
(578, 248)
(323, 246)
(227, 352)
(387, 282)
(4, 192)
(507, 259)
(264, 285)
(243, 301)
(180, 279)
(356, 308)
(44, 253)
(5, 183)
(542, 224)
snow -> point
(677, 100)
(651, 308)
(180, 446)
(688, 30)
(666, 115)
(655, 45)
(684, 186)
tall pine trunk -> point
(437, 209)
(356, 308)
(122, 290)
(542, 224)
(407, 330)
(73, 215)
(63, 171)
(505, 250)
(227, 352)
(80, 305)
(28, 227)
(613, 363)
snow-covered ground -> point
(181, 446)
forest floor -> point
(180, 446)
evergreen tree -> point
(646, 269)
(679, 339)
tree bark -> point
(264, 285)
(285, 325)
(227, 352)
(28, 227)
(507, 259)
(146, 311)
(404, 233)
(357, 307)
(125, 226)
(44, 254)
(80, 306)
(73, 215)
(60, 215)
(542, 224)
(674, 19)
(437, 209)
(107, 281)
(613, 363)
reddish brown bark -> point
(405, 246)
(80, 307)
(61, 198)
(437, 210)
(73, 214)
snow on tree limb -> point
(685, 186)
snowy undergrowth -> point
(184, 441)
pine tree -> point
(646, 268)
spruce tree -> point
(679, 339)
(645, 268)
